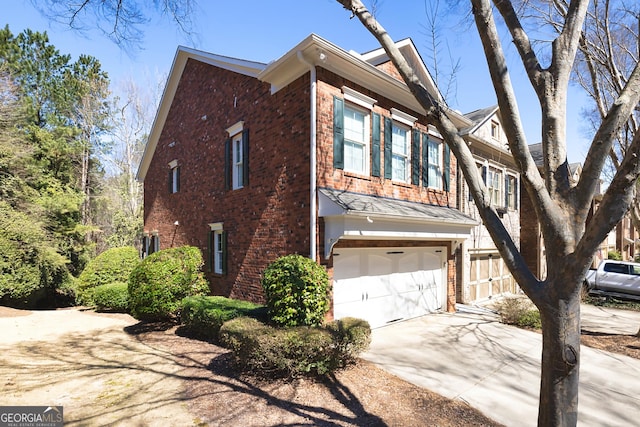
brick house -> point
(322, 152)
(622, 238)
(482, 274)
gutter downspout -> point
(312, 158)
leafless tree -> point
(560, 207)
(120, 20)
(133, 113)
(608, 53)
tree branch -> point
(602, 142)
(615, 203)
(437, 112)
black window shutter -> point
(145, 246)
(227, 164)
(245, 157)
(210, 252)
(516, 198)
(177, 178)
(375, 145)
(388, 135)
(447, 167)
(223, 243)
(338, 133)
(157, 248)
(170, 181)
(425, 160)
(415, 157)
(506, 191)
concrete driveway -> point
(472, 357)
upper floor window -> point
(356, 133)
(512, 192)
(501, 186)
(236, 157)
(174, 177)
(495, 130)
(494, 185)
(238, 165)
(434, 159)
(400, 152)
(356, 140)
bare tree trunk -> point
(560, 362)
(85, 187)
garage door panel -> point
(381, 285)
(347, 265)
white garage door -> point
(382, 285)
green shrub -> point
(111, 297)
(290, 352)
(529, 319)
(113, 265)
(520, 312)
(614, 255)
(31, 268)
(297, 291)
(159, 283)
(352, 337)
(202, 316)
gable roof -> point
(411, 54)
(313, 50)
(183, 54)
(478, 118)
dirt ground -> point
(108, 369)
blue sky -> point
(264, 30)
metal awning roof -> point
(350, 215)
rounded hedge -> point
(270, 351)
(112, 297)
(111, 266)
(158, 284)
(297, 291)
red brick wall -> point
(270, 217)
(329, 85)
(266, 219)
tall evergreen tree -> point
(65, 109)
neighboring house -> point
(482, 274)
(532, 243)
(324, 153)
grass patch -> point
(203, 316)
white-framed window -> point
(435, 167)
(495, 130)
(400, 153)
(237, 161)
(174, 177)
(218, 254)
(356, 139)
(217, 248)
(236, 157)
(494, 185)
(512, 192)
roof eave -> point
(182, 55)
(327, 55)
